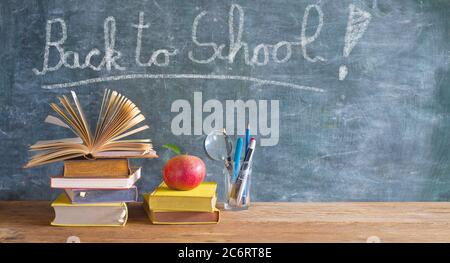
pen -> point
(247, 142)
(237, 158)
(247, 137)
(241, 181)
(244, 194)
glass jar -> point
(237, 186)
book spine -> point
(97, 168)
(121, 220)
(169, 203)
(183, 218)
(87, 196)
(96, 183)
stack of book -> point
(97, 178)
(196, 206)
(95, 192)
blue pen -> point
(247, 137)
(247, 143)
(237, 158)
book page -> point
(56, 121)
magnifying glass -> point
(218, 146)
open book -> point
(118, 115)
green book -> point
(203, 198)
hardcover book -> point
(107, 214)
(80, 167)
(96, 182)
(180, 217)
(87, 196)
(200, 199)
(117, 118)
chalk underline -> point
(179, 76)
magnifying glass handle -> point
(229, 166)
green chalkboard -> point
(349, 100)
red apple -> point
(184, 172)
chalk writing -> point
(154, 58)
(181, 76)
(358, 21)
(266, 51)
(109, 60)
(202, 51)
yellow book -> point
(200, 199)
(162, 217)
(93, 214)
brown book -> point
(164, 217)
(117, 119)
(183, 218)
(96, 168)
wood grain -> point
(24, 221)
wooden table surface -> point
(28, 221)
